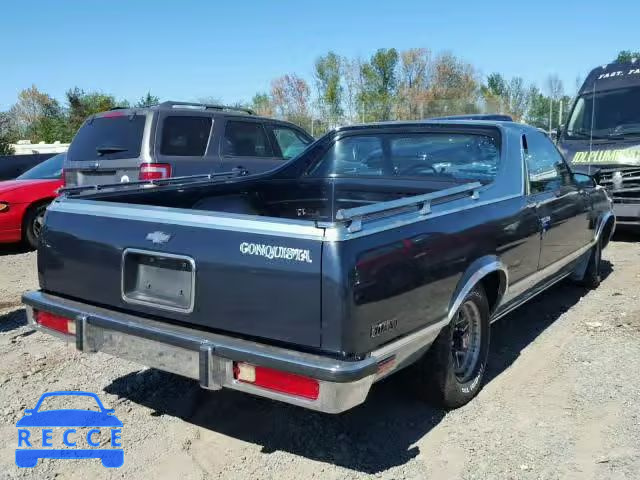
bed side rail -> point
(355, 216)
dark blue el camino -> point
(379, 247)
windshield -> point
(615, 114)
(50, 169)
(440, 156)
(108, 138)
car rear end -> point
(231, 301)
(114, 147)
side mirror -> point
(583, 180)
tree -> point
(262, 104)
(495, 93)
(290, 97)
(82, 105)
(413, 82)
(7, 134)
(30, 106)
(538, 111)
(518, 100)
(454, 88)
(351, 79)
(379, 84)
(327, 75)
(147, 101)
(625, 56)
(51, 125)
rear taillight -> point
(56, 322)
(283, 382)
(154, 171)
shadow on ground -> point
(13, 249)
(627, 234)
(12, 320)
(371, 438)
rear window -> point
(441, 156)
(108, 138)
(185, 136)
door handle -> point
(240, 170)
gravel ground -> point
(560, 402)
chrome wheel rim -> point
(466, 341)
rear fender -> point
(474, 274)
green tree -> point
(380, 84)
(51, 125)
(625, 56)
(147, 100)
(328, 73)
(261, 104)
(83, 105)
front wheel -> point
(33, 223)
(592, 277)
(453, 369)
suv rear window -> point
(185, 136)
(108, 138)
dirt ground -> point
(562, 400)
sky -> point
(183, 50)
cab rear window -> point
(108, 138)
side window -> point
(185, 136)
(246, 139)
(546, 167)
(290, 141)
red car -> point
(24, 200)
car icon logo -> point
(158, 238)
(36, 433)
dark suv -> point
(176, 139)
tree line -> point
(409, 84)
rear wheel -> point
(453, 369)
(33, 223)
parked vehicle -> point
(176, 139)
(23, 201)
(380, 247)
(12, 166)
(602, 135)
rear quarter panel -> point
(408, 275)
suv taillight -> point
(154, 171)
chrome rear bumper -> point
(209, 357)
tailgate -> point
(245, 275)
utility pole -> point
(550, 112)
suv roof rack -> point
(206, 106)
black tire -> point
(443, 381)
(32, 224)
(592, 277)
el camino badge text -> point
(272, 251)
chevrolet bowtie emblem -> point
(158, 238)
